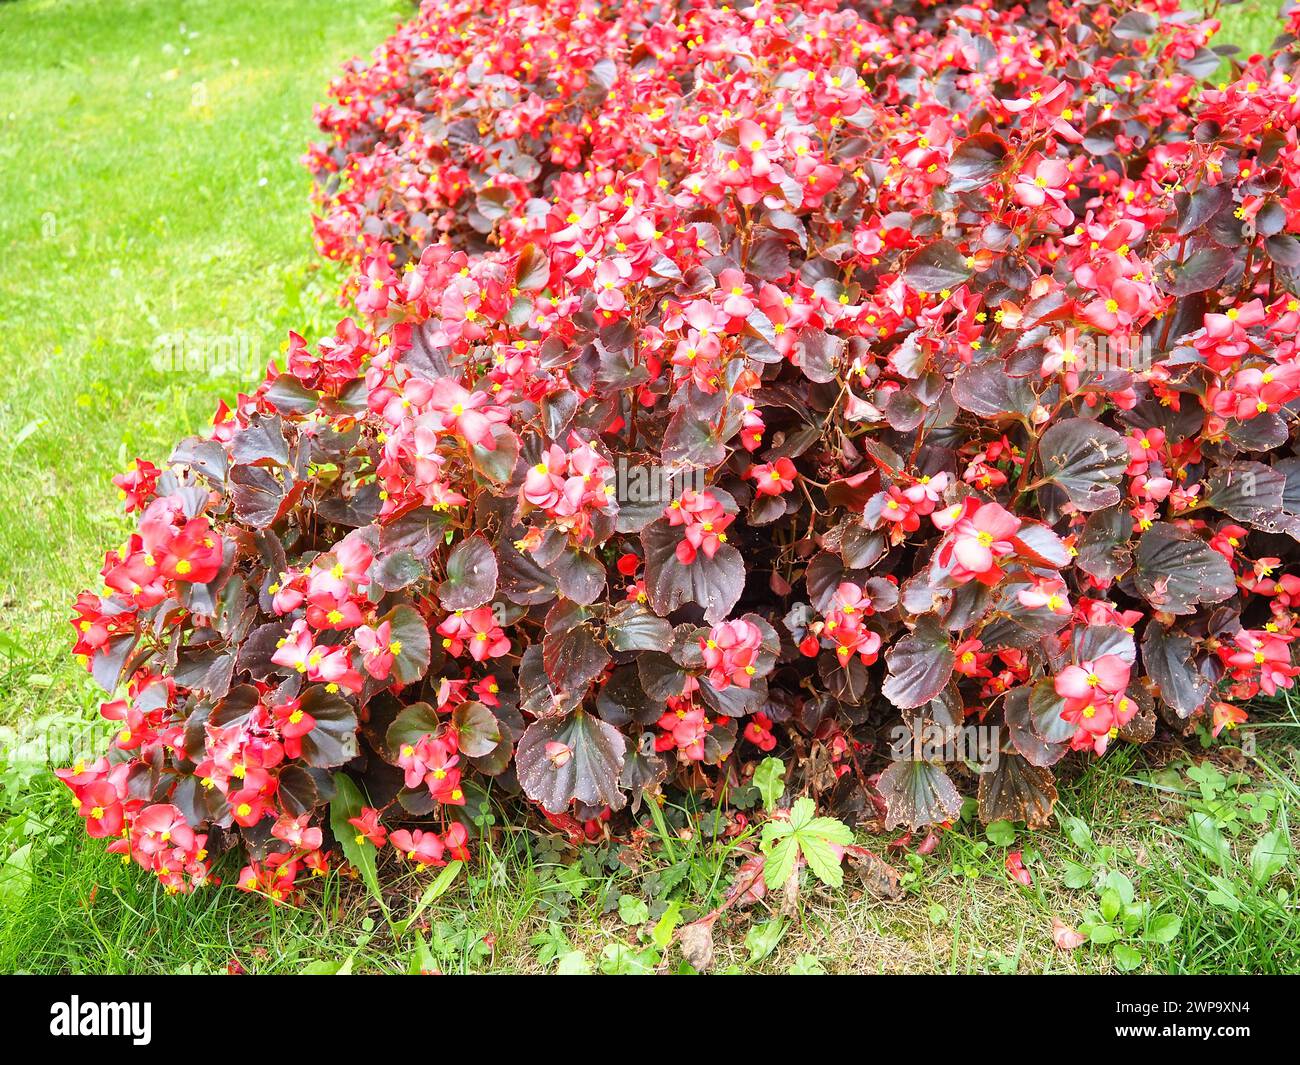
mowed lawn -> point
(151, 202)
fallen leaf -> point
(877, 875)
(696, 941)
(1065, 937)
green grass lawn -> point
(1251, 25)
(151, 190)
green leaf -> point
(1208, 837)
(1121, 885)
(662, 935)
(1127, 958)
(1270, 855)
(322, 967)
(1164, 928)
(422, 959)
(806, 965)
(618, 959)
(16, 874)
(1001, 833)
(1079, 832)
(632, 910)
(1101, 934)
(1111, 904)
(1224, 899)
(804, 833)
(829, 829)
(780, 862)
(769, 779)
(764, 938)
(574, 963)
(347, 804)
(822, 860)
(1076, 876)
(802, 812)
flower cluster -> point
(156, 836)
(957, 345)
(571, 487)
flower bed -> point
(719, 382)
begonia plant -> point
(720, 380)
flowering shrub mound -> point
(725, 381)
